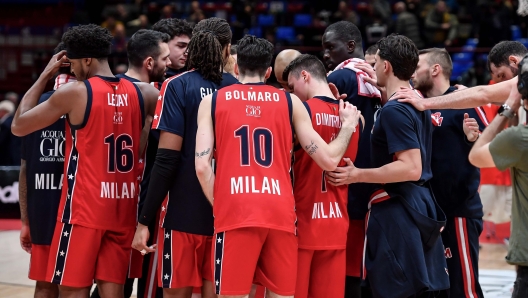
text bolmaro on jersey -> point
(102, 164)
(322, 217)
(254, 139)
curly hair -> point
(402, 54)
(87, 41)
(205, 50)
(307, 62)
(173, 27)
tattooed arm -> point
(204, 145)
(327, 156)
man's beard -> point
(424, 86)
(157, 75)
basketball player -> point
(322, 217)
(341, 42)
(98, 204)
(180, 33)
(457, 195)
(41, 169)
(370, 54)
(282, 60)
(403, 254)
(184, 258)
(249, 126)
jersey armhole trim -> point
(88, 107)
(308, 109)
(141, 104)
(290, 110)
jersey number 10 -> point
(262, 145)
(120, 153)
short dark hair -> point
(233, 50)
(441, 57)
(500, 52)
(372, 50)
(90, 41)
(346, 31)
(62, 47)
(173, 27)
(307, 62)
(143, 44)
(205, 50)
(254, 55)
(402, 54)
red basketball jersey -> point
(253, 134)
(102, 160)
(321, 207)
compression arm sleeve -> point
(162, 176)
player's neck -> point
(320, 89)
(440, 86)
(138, 75)
(103, 70)
(251, 79)
(394, 84)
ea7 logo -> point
(447, 253)
(437, 119)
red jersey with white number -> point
(322, 217)
(102, 161)
(254, 136)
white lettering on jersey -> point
(319, 210)
(112, 190)
(238, 185)
(47, 181)
(327, 120)
(252, 96)
(117, 100)
(206, 91)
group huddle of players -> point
(241, 186)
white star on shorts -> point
(139, 178)
(74, 157)
(160, 97)
(218, 261)
(166, 276)
(217, 282)
(62, 253)
(167, 235)
(70, 177)
(155, 117)
(65, 234)
(58, 273)
(167, 256)
(140, 160)
(219, 240)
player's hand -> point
(471, 128)
(343, 175)
(410, 96)
(348, 114)
(25, 238)
(140, 240)
(54, 64)
(335, 92)
(371, 78)
(514, 100)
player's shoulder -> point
(346, 74)
(45, 96)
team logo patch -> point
(437, 119)
(253, 111)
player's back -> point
(321, 207)
(253, 135)
(102, 163)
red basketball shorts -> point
(354, 248)
(184, 259)
(78, 255)
(135, 269)
(38, 264)
(262, 256)
(321, 273)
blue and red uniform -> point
(321, 208)
(99, 199)
(254, 206)
(458, 197)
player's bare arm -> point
(204, 148)
(150, 97)
(480, 155)
(463, 99)
(25, 237)
(327, 156)
(70, 99)
(406, 167)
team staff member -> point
(180, 32)
(322, 217)
(342, 42)
(185, 244)
(105, 120)
(253, 201)
(403, 250)
(454, 133)
(41, 169)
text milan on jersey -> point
(248, 184)
(115, 190)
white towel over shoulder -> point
(364, 89)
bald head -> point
(281, 62)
